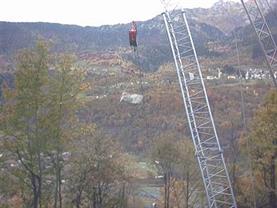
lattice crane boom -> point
(264, 35)
(208, 151)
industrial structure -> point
(208, 150)
(267, 43)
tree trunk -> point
(35, 189)
(168, 189)
(272, 195)
(123, 201)
(60, 187)
(94, 198)
(78, 199)
(165, 190)
(39, 180)
(187, 191)
(234, 171)
(56, 187)
(39, 191)
(100, 200)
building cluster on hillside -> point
(46, 161)
(258, 74)
(248, 74)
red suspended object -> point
(133, 35)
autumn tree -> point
(98, 171)
(24, 124)
(165, 155)
(176, 161)
(65, 86)
(262, 149)
(191, 189)
(231, 130)
(39, 121)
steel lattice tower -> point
(264, 35)
(208, 151)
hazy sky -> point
(86, 12)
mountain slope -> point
(211, 26)
(152, 38)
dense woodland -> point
(62, 148)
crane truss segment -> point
(208, 151)
(264, 35)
